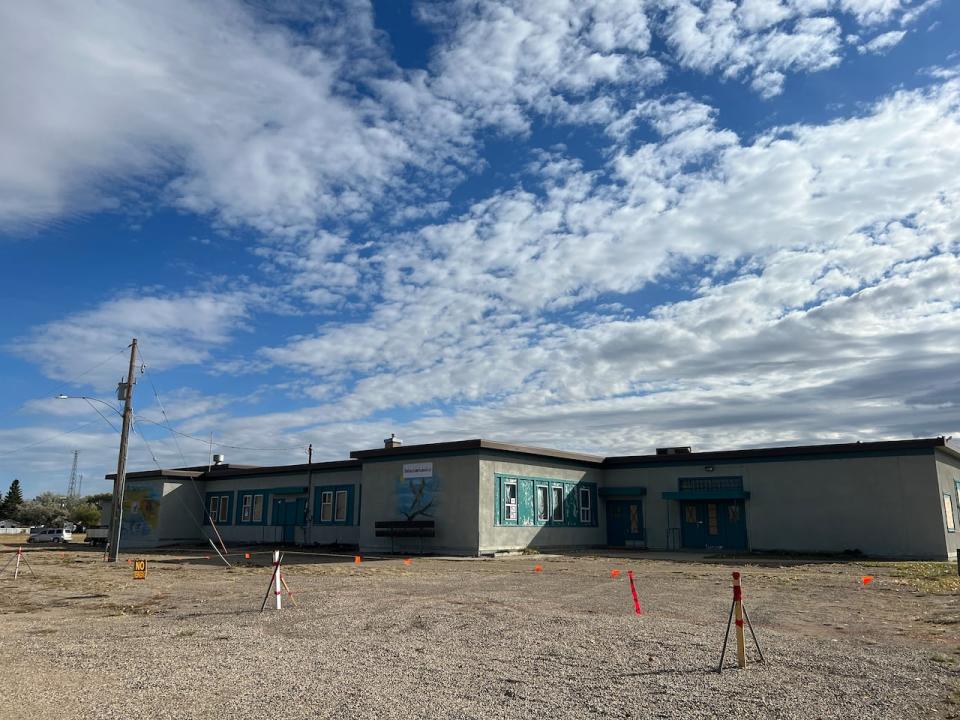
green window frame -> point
(251, 507)
(517, 502)
(219, 506)
(339, 499)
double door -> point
(287, 515)
(713, 524)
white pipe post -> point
(276, 576)
(16, 570)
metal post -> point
(958, 561)
(116, 511)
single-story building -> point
(473, 497)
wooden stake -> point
(738, 620)
(276, 576)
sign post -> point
(140, 569)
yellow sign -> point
(139, 569)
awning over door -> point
(725, 494)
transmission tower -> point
(72, 489)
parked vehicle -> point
(51, 535)
(97, 535)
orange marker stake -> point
(356, 559)
(614, 573)
(246, 556)
(538, 568)
(408, 561)
(866, 579)
(633, 589)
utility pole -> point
(125, 393)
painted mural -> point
(141, 512)
(417, 492)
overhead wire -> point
(97, 410)
(206, 441)
(143, 370)
(47, 439)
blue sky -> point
(602, 226)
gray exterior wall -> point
(948, 475)
(495, 538)
(455, 507)
(884, 505)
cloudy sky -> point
(600, 225)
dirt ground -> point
(473, 638)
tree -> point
(98, 498)
(13, 500)
(46, 509)
(85, 514)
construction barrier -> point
(738, 612)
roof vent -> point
(218, 459)
(679, 450)
(392, 442)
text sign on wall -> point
(139, 569)
(418, 470)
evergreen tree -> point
(12, 501)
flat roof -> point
(881, 446)
(475, 444)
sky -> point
(601, 226)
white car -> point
(53, 535)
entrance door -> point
(287, 514)
(719, 524)
(625, 523)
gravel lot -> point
(455, 638)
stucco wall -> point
(494, 538)
(269, 531)
(181, 515)
(948, 474)
(885, 505)
(454, 509)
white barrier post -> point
(276, 576)
(16, 570)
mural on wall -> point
(141, 511)
(417, 491)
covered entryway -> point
(719, 524)
(625, 526)
(712, 513)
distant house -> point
(9, 524)
(476, 497)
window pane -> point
(214, 508)
(543, 513)
(584, 505)
(224, 507)
(558, 504)
(712, 519)
(258, 508)
(510, 501)
(948, 509)
(326, 506)
(341, 513)
(245, 509)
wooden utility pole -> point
(124, 390)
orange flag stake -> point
(246, 556)
(614, 573)
(866, 579)
(356, 559)
(538, 568)
(408, 561)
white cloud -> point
(882, 43)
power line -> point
(163, 412)
(47, 439)
(101, 415)
(206, 441)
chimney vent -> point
(218, 459)
(392, 442)
(679, 450)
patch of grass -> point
(927, 577)
(185, 633)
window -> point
(326, 506)
(543, 504)
(948, 512)
(224, 508)
(712, 519)
(341, 509)
(585, 505)
(510, 501)
(690, 513)
(733, 513)
(557, 503)
(257, 508)
(245, 509)
(214, 508)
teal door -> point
(287, 514)
(625, 523)
(713, 524)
